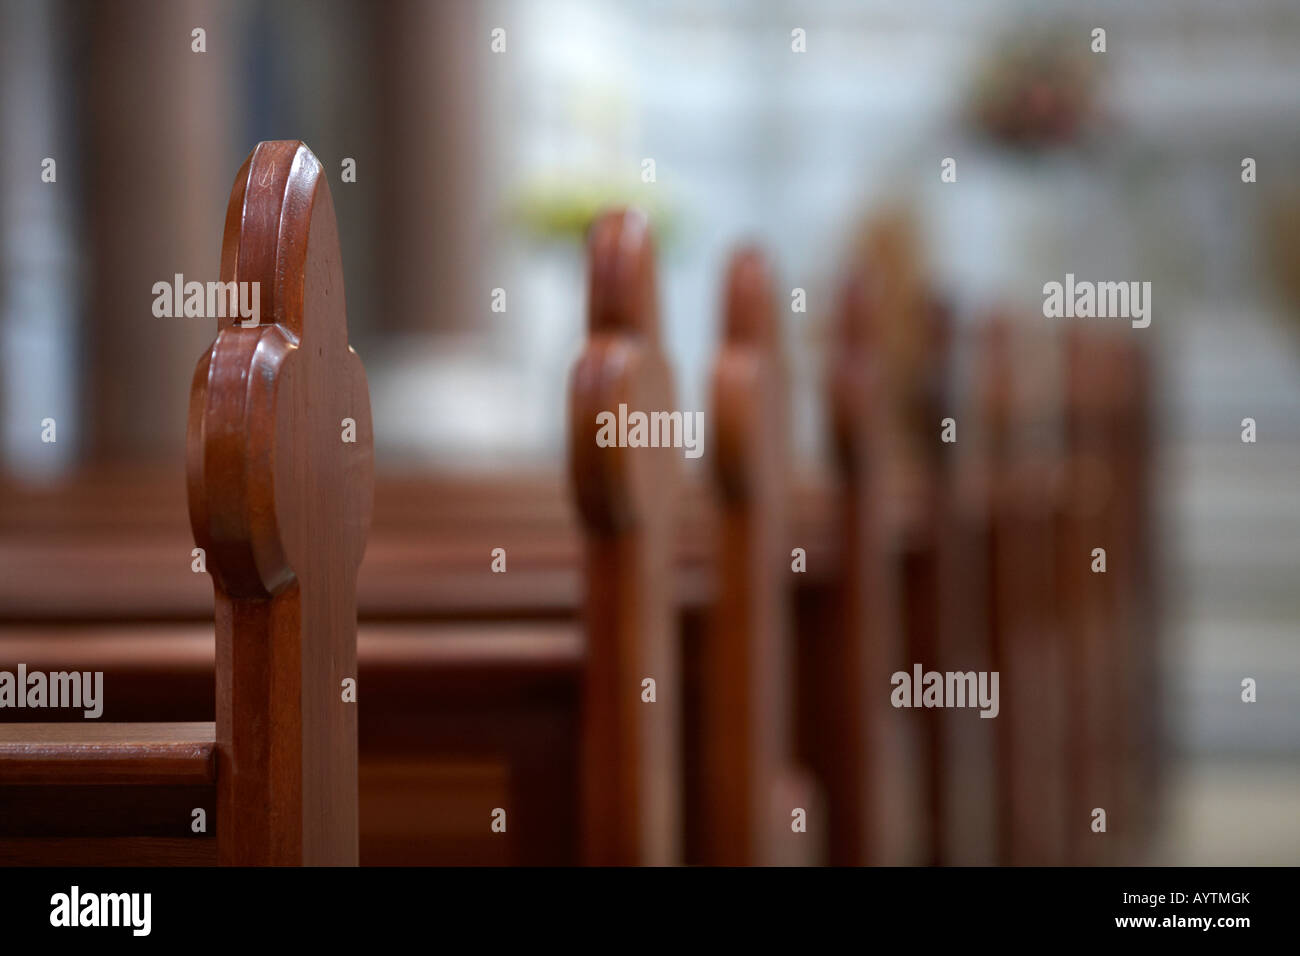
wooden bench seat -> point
(105, 792)
(93, 754)
(428, 556)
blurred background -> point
(478, 170)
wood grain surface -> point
(281, 504)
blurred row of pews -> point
(770, 607)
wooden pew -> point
(850, 737)
(106, 794)
(966, 764)
(473, 680)
(1113, 633)
(742, 786)
(1135, 516)
(1024, 625)
(942, 560)
(631, 685)
(280, 505)
(922, 538)
(1097, 692)
(485, 691)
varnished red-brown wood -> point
(1113, 640)
(94, 754)
(459, 712)
(71, 790)
(630, 769)
(850, 736)
(281, 505)
(107, 851)
(938, 618)
(1098, 689)
(1139, 586)
(125, 808)
(745, 728)
(1023, 468)
(114, 544)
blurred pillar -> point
(38, 297)
(158, 171)
(429, 57)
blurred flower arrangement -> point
(1036, 90)
(561, 207)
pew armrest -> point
(89, 755)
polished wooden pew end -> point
(280, 461)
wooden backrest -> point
(746, 780)
(1135, 518)
(1022, 461)
(850, 736)
(280, 466)
(925, 550)
(280, 462)
(1097, 704)
(959, 745)
(1112, 652)
(630, 770)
